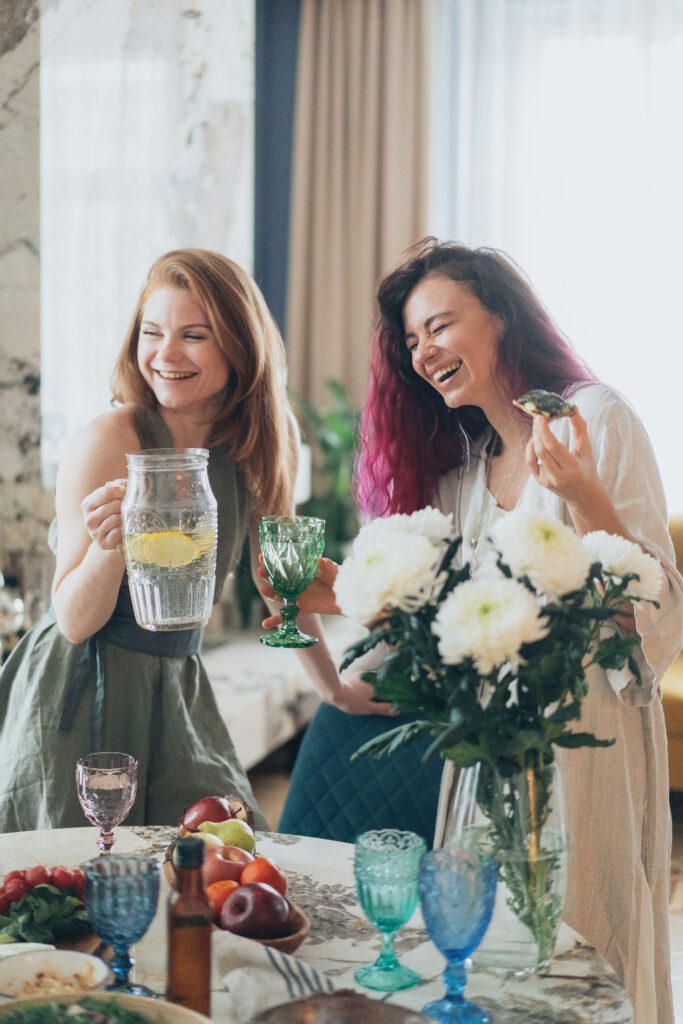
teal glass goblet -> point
(457, 891)
(121, 895)
(386, 865)
(291, 547)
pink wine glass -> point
(107, 783)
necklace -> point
(489, 501)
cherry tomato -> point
(36, 876)
(62, 878)
(15, 889)
(78, 881)
(11, 875)
(4, 902)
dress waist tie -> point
(123, 631)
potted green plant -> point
(332, 433)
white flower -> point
(488, 621)
(542, 548)
(432, 524)
(619, 556)
(426, 522)
(390, 568)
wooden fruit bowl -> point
(300, 925)
(288, 943)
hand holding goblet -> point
(291, 547)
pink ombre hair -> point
(409, 436)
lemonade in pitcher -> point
(169, 536)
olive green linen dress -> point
(159, 707)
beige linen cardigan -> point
(618, 819)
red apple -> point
(209, 808)
(223, 862)
(256, 911)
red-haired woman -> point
(460, 335)
(202, 365)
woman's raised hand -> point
(317, 599)
(569, 472)
(102, 514)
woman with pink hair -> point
(461, 335)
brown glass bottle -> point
(189, 932)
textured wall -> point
(25, 506)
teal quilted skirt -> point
(333, 799)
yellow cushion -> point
(672, 697)
(675, 762)
(672, 683)
(676, 531)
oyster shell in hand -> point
(544, 403)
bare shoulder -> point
(114, 427)
(98, 452)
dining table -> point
(578, 987)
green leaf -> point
(361, 647)
(567, 713)
(393, 739)
(464, 754)
(614, 650)
(45, 914)
(582, 739)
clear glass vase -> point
(519, 820)
(169, 537)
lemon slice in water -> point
(204, 541)
(168, 549)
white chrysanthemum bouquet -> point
(493, 670)
(493, 667)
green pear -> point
(233, 832)
(210, 842)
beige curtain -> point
(359, 178)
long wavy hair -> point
(255, 420)
(409, 435)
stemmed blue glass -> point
(121, 894)
(457, 891)
(386, 865)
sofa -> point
(672, 684)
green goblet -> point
(386, 865)
(291, 547)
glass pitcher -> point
(169, 536)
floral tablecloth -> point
(578, 988)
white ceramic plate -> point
(157, 1010)
(15, 971)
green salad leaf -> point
(45, 914)
(85, 1011)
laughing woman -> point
(460, 336)
(202, 366)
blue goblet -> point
(457, 891)
(121, 894)
(385, 866)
